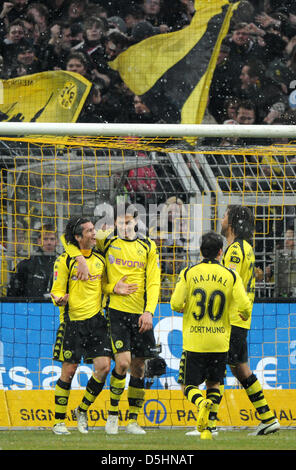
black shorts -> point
(196, 367)
(125, 336)
(82, 339)
(238, 346)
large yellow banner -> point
(161, 408)
(54, 96)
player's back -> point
(209, 294)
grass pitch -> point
(155, 439)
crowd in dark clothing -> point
(82, 36)
(256, 62)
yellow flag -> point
(54, 96)
(172, 72)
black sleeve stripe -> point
(144, 244)
(107, 243)
(241, 244)
(231, 272)
(185, 273)
(100, 257)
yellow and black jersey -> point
(205, 293)
(239, 256)
(85, 297)
(137, 259)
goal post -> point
(181, 186)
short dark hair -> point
(241, 220)
(125, 208)
(210, 244)
(74, 227)
(247, 104)
(46, 228)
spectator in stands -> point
(173, 219)
(97, 10)
(246, 113)
(114, 43)
(279, 16)
(177, 14)
(242, 47)
(93, 33)
(26, 62)
(221, 87)
(115, 22)
(284, 250)
(13, 10)
(76, 11)
(57, 10)
(153, 14)
(14, 37)
(41, 16)
(143, 30)
(32, 32)
(77, 62)
(230, 110)
(58, 48)
(261, 92)
(141, 113)
(142, 183)
(92, 46)
(76, 34)
(117, 102)
(133, 15)
(95, 109)
(34, 276)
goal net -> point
(181, 184)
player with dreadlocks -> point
(237, 227)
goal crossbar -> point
(149, 130)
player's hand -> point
(60, 301)
(122, 288)
(82, 269)
(145, 322)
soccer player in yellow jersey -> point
(130, 307)
(205, 293)
(83, 331)
(237, 227)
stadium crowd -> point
(256, 63)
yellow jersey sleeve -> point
(180, 292)
(241, 299)
(152, 279)
(60, 279)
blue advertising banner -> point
(28, 332)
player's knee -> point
(68, 372)
(138, 368)
(122, 365)
(102, 368)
